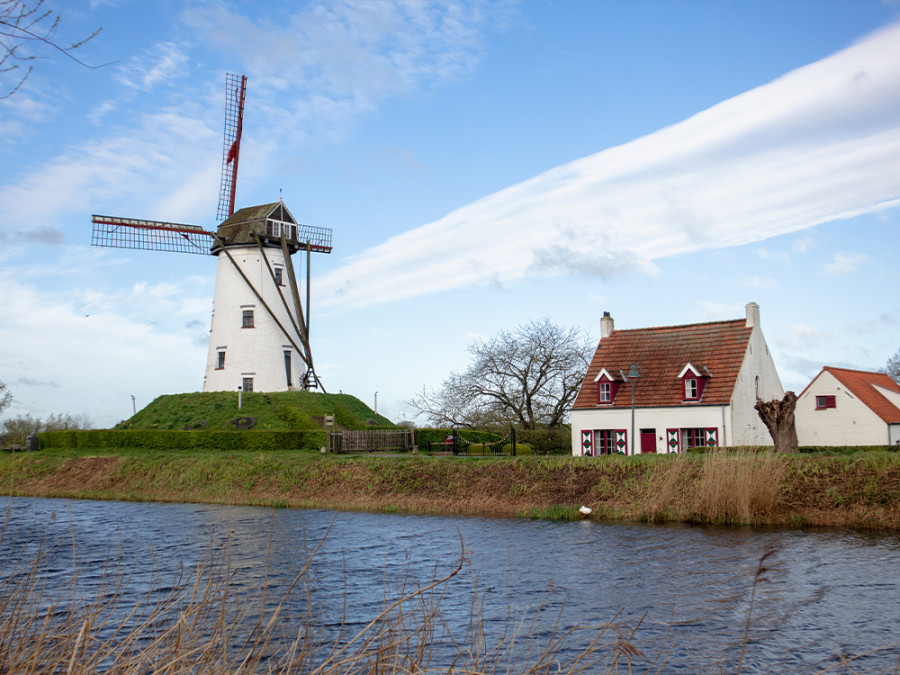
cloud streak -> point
(819, 144)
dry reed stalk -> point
(740, 488)
(199, 626)
(670, 492)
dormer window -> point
(606, 392)
(693, 382)
(691, 389)
(607, 387)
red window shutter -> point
(712, 437)
(587, 443)
(672, 441)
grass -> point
(287, 410)
(751, 488)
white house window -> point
(247, 384)
(605, 392)
(605, 442)
(247, 319)
(273, 228)
(691, 390)
(220, 364)
(698, 438)
(824, 402)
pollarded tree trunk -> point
(778, 416)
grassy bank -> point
(853, 490)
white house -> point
(697, 385)
(849, 407)
(256, 339)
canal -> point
(681, 594)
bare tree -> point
(778, 416)
(892, 368)
(28, 22)
(527, 377)
(6, 397)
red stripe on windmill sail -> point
(232, 152)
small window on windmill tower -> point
(279, 275)
(248, 384)
(221, 362)
(247, 320)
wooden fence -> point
(371, 440)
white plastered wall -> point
(659, 419)
(850, 422)
(256, 352)
(746, 427)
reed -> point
(199, 624)
(741, 488)
(735, 488)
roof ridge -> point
(684, 325)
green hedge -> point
(164, 439)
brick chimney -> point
(752, 314)
(607, 325)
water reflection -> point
(688, 590)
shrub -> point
(165, 439)
(547, 441)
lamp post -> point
(634, 374)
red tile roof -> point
(861, 383)
(662, 353)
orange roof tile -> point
(662, 353)
(861, 383)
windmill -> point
(259, 337)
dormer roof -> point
(663, 353)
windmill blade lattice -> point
(235, 91)
(150, 235)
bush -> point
(437, 436)
(165, 439)
(547, 441)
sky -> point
(482, 164)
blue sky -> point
(482, 164)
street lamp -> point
(633, 375)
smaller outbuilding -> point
(849, 407)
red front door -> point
(648, 440)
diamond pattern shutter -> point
(622, 441)
(712, 437)
(587, 443)
(672, 440)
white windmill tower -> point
(259, 338)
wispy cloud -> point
(759, 282)
(821, 143)
(338, 60)
(844, 263)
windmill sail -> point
(235, 91)
(150, 235)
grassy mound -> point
(285, 410)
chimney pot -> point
(607, 325)
(752, 314)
